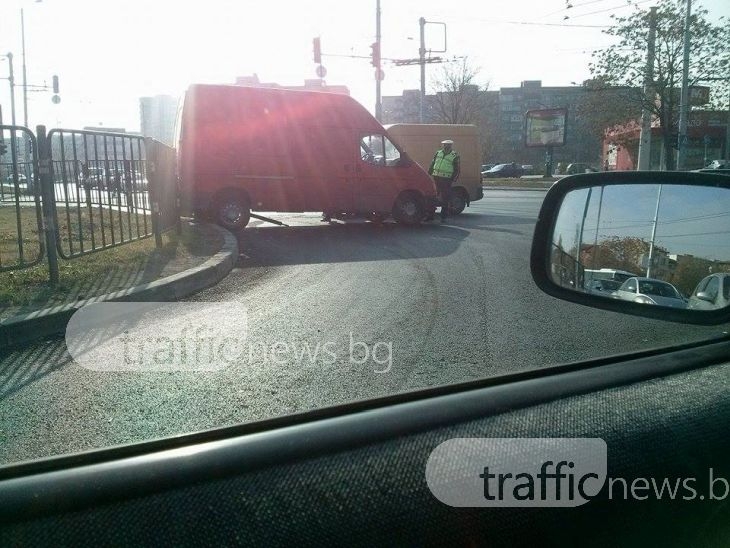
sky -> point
(690, 220)
(109, 53)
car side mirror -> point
(405, 160)
(704, 296)
(668, 228)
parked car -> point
(504, 170)
(487, 167)
(578, 167)
(22, 179)
(528, 169)
(711, 293)
(602, 287)
(650, 291)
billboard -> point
(545, 127)
(699, 95)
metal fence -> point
(21, 224)
(161, 171)
(100, 190)
(72, 192)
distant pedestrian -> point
(605, 165)
(444, 169)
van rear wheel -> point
(408, 209)
(457, 201)
(232, 211)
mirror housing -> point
(704, 296)
(542, 244)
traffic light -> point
(375, 47)
(317, 48)
(55, 83)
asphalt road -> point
(436, 304)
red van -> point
(243, 149)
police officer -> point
(445, 170)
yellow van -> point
(421, 141)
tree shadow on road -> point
(356, 242)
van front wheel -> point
(232, 211)
(408, 209)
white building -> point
(157, 117)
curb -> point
(50, 321)
(487, 188)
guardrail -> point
(69, 193)
(21, 226)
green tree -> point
(604, 106)
(623, 63)
(689, 272)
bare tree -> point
(458, 98)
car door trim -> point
(42, 488)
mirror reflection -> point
(654, 244)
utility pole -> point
(653, 233)
(25, 76)
(578, 262)
(378, 68)
(684, 106)
(11, 80)
(422, 62)
(645, 136)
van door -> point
(326, 170)
(379, 174)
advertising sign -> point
(545, 127)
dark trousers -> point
(443, 185)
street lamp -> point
(11, 80)
(25, 75)
(422, 59)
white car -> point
(650, 291)
(711, 293)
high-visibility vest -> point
(443, 165)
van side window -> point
(378, 150)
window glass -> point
(702, 285)
(378, 150)
(713, 287)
